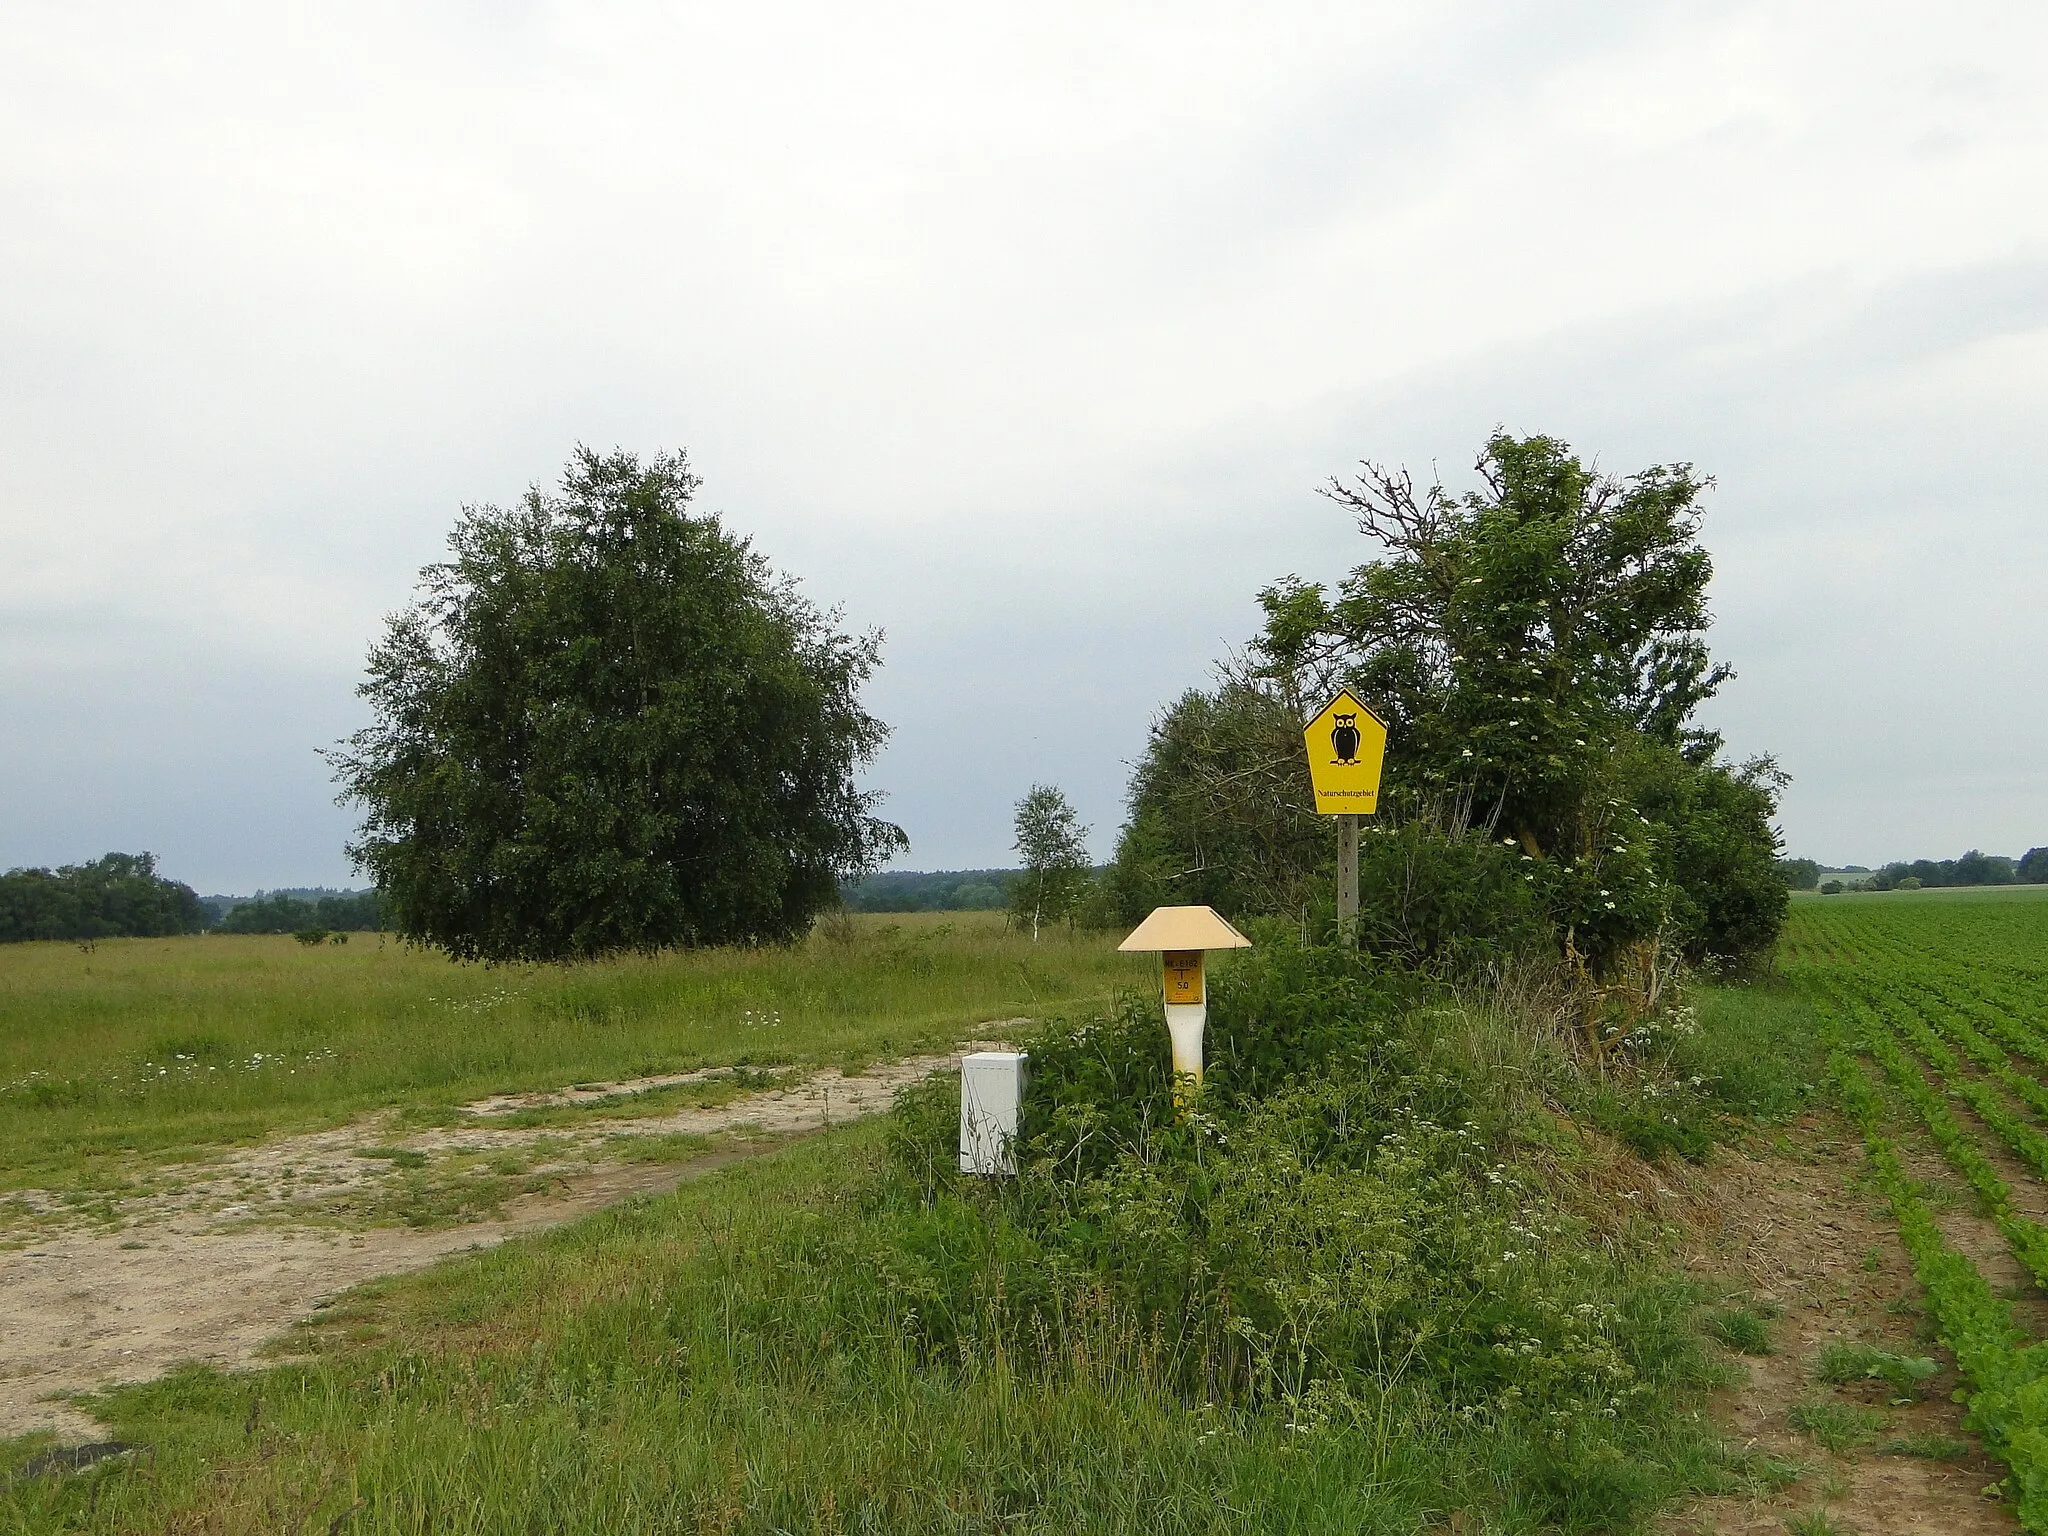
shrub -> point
(1447, 903)
(1339, 1233)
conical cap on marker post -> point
(1173, 932)
(1172, 928)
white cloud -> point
(1023, 331)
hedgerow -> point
(1347, 1233)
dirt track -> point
(1806, 1238)
(232, 1258)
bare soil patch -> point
(211, 1266)
(1810, 1245)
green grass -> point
(1815, 1522)
(1929, 1447)
(141, 1051)
(1905, 1375)
(684, 1364)
(1938, 894)
(763, 1351)
(717, 1360)
(1837, 1425)
(1741, 1329)
(708, 1094)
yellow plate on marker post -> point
(1347, 747)
(1183, 975)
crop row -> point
(2005, 1378)
(2002, 949)
(2027, 1238)
(1948, 1005)
(1944, 1001)
(1984, 965)
(1962, 983)
(1986, 1052)
(2012, 1129)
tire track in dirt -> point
(211, 1272)
(1801, 1234)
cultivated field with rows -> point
(1934, 1010)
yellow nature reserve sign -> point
(1347, 744)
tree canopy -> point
(1053, 846)
(944, 890)
(118, 896)
(1973, 868)
(606, 724)
(1537, 648)
(279, 912)
(1507, 634)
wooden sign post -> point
(1347, 747)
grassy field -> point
(761, 1351)
(138, 1050)
(822, 1341)
(695, 1364)
(1966, 893)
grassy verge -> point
(684, 1364)
(145, 1051)
(1360, 1305)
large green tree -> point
(1220, 811)
(606, 724)
(1537, 648)
(1507, 634)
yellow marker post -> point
(1347, 748)
(1181, 936)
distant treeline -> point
(947, 890)
(1973, 868)
(121, 896)
(297, 912)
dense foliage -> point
(353, 912)
(1346, 1236)
(607, 725)
(1799, 874)
(1973, 868)
(1536, 648)
(1220, 811)
(948, 890)
(118, 896)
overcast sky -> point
(1022, 331)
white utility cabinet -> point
(991, 1101)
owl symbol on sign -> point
(1344, 738)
